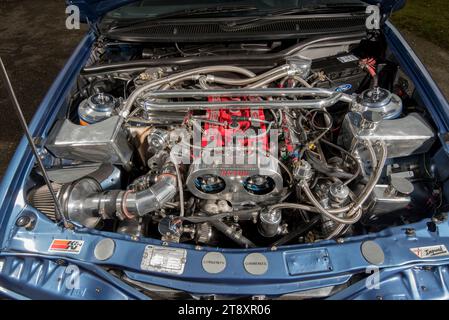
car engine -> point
(202, 144)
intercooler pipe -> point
(85, 202)
(185, 74)
(137, 204)
(242, 82)
(193, 74)
(268, 77)
(253, 82)
(209, 78)
(327, 98)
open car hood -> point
(93, 10)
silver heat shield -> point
(404, 136)
(104, 142)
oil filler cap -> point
(372, 252)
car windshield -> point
(160, 8)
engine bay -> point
(242, 144)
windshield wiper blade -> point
(332, 7)
(187, 13)
(320, 9)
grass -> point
(426, 18)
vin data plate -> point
(163, 259)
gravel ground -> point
(34, 45)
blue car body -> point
(92, 10)
(29, 271)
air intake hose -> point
(83, 201)
(136, 204)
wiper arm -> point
(188, 13)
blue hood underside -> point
(93, 10)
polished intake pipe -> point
(83, 201)
(137, 204)
(321, 98)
